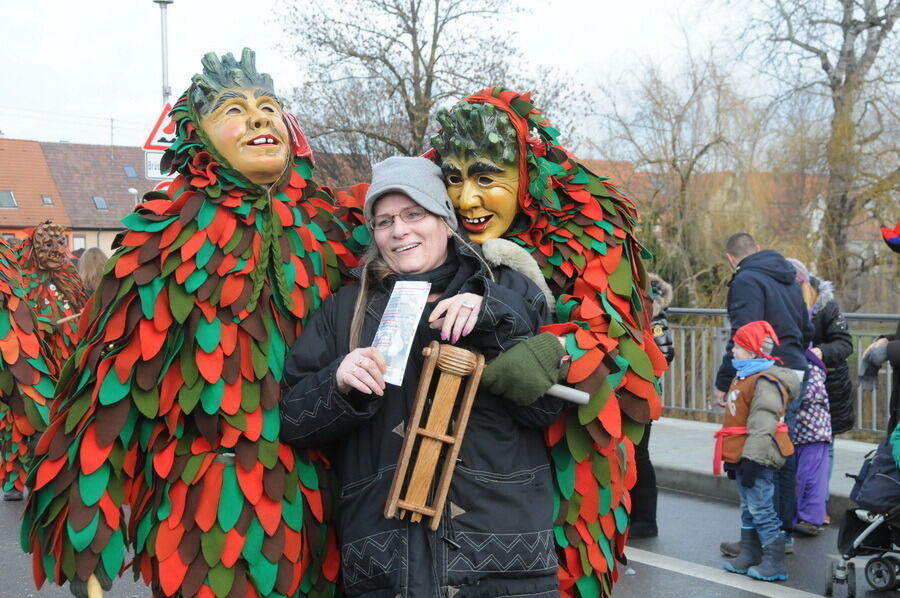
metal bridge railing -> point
(700, 336)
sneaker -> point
(789, 545)
(12, 495)
(806, 528)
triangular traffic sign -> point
(163, 133)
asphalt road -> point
(683, 561)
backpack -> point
(877, 486)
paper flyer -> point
(398, 326)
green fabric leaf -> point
(565, 469)
(111, 390)
(637, 360)
(211, 396)
(211, 544)
(589, 412)
(180, 302)
(113, 554)
(578, 439)
(231, 501)
(588, 587)
(253, 541)
(146, 401)
(309, 477)
(81, 539)
(221, 579)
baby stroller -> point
(873, 529)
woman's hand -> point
(362, 370)
(874, 346)
(456, 316)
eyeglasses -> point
(408, 215)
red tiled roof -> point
(24, 171)
(82, 171)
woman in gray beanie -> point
(495, 536)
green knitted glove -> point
(523, 373)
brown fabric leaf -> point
(269, 392)
(109, 421)
(247, 453)
(273, 481)
(195, 574)
(189, 547)
(273, 546)
(634, 406)
(147, 372)
(23, 317)
(148, 251)
(598, 433)
(146, 273)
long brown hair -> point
(90, 268)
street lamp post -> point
(134, 195)
(166, 90)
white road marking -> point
(719, 576)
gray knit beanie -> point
(418, 178)
(802, 273)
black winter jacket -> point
(831, 335)
(893, 355)
(763, 288)
(495, 537)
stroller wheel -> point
(851, 580)
(829, 578)
(896, 563)
(881, 573)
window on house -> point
(46, 200)
(100, 203)
(7, 200)
(130, 172)
(78, 242)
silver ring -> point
(469, 305)
(359, 361)
(353, 371)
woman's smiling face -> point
(409, 247)
(247, 128)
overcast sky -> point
(69, 67)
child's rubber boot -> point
(751, 552)
(772, 566)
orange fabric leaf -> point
(234, 544)
(269, 513)
(167, 539)
(151, 339)
(92, 454)
(208, 506)
(251, 482)
(314, 500)
(171, 573)
(210, 364)
(162, 461)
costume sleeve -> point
(87, 458)
(313, 412)
(836, 343)
(27, 378)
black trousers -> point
(644, 493)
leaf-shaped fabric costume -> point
(27, 377)
(580, 230)
(170, 403)
(54, 293)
